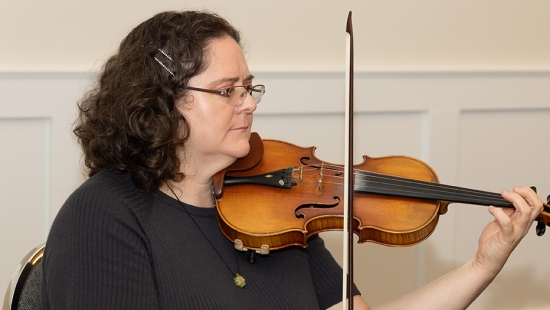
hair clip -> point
(160, 62)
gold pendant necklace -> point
(238, 279)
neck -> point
(196, 187)
(195, 194)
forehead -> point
(225, 59)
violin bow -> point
(347, 277)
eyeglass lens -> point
(239, 93)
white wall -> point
(461, 85)
(285, 35)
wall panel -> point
(468, 126)
(24, 189)
(500, 149)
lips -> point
(240, 128)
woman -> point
(171, 108)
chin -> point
(237, 148)
(242, 151)
(242, 147)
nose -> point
(249, 104)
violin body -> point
(260, 215)
(281, 194)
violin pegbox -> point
(541, 226)
(544, 218)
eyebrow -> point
(249, 78)
(233, 79)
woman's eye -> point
(227, 92)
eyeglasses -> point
(236, 94)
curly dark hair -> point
(128, 122)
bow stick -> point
(347, 277)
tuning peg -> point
(548, 199)
(534, 188)
(541, 227)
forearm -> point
(455, 290)
(459, 288)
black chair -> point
(23, 292)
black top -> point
(113, 247)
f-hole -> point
(315, 206)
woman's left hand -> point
(501, 236)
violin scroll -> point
(544, 219)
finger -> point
(530, 197)
(523, 210)
(524, 215)
(504, 221)
(508, 211)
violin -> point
(281, 194)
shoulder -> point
(105, 210)
(105, 190)
(106, 183)
(106, 201)
(95, 235)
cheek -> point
(206, 118)
(195, 114)
(210, 125)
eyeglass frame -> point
(226, 93)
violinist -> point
(171, 108)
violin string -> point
(413, 183)
(426, 193)
(364, 175)
(416, 192)
(406, 185)
(437, 191)
(412, 186)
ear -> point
(185, 104)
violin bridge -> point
(300, 171)
(320, 181)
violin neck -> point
(374, 183)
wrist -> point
(483, 269)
